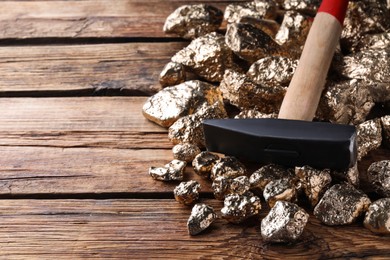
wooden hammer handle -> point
(304, 92)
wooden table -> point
(75, 148)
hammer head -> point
(284, 142)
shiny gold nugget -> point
(223, 186)
(369, 137)
(241, 91)
(273, 71)
(293, 32)
(270, 27)
(303, 6)
(228, 167)
(250, 43)
(378, 217)
(189, 129)
(203, 163)
(185, 152)
(202, 216)
(173, 171)
(271, 172)
(172, 74)
(370, 64)
(238, 208)
(192, 21)
(378, 175)
(364, 17)
(207, 56)
(187, 192)
(171, 103)
(345, 102)
(314, 182)
(374, 41)
(281, 189)
(265, 9)
(342, 204)
(284, 223)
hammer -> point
(292, 139)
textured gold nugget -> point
(314, 182)
(378, 175)
(187, 192)
(345, 102)
(281, 189)
(185, 152)
(249, 42)
(192, 21)
(273, 71)
(223, 186)
(228, 167)
(284, 223)
(242, 92)
(189, 129)
(203, 163)
(369, 137)
(293, 32)
(364, 17)
(303, 6)
(238, 208)
(342, 204)
(173, 171)
(172, 74)
(271, 172)
(378, 217)
(202, 216)
(171, 103)
(374, 41)
(207, 56)
(260, 9)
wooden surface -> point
(75, 148)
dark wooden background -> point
(75, 148)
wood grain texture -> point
(87, 145)
(145, 229)
(89, 18)
(129, 68)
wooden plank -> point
(86, 145)
(55, 171)
(130, 67)
(89, 18)
(145, 229)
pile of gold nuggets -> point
(245, 58)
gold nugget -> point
(281, 189)
(250, 43)
(378, 175)
(342, 204)
(172, 74)
(187, 192)
(173, 171)
(238, 208)
(192, 21)
(223, 186)
(378, 217)
(203, 163)
(369, 137)
(284, 223)
(207, 56)
(228, 167)
(171, 103)
(185, 152)
(314, 182)
(202, 216)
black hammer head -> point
(285, 142)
